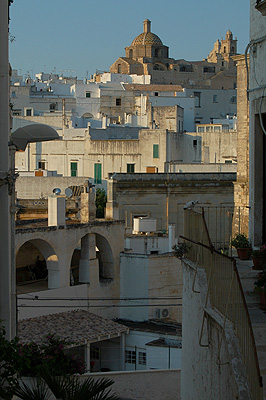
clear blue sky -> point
(84, 36)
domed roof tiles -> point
(146, 38)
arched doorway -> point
(36, 266)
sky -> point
(79, 37)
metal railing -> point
(225, 293)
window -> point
(142, 358)
(130, 53)
(214, 98)
(224, 49)
(130, 168)
(233, 100)
(228, 162)
(88, 94)
(28, 112)
(185, 68)
(130, 357)
(73, 168)
(118, 101)
(156, 94)
(197, 96)
(16, 112)
(210, 70)
(97, 173)
(53, 107)
(41, 164)
(14, 94)
(156, 52)
(222, 63)
(156, 67)
(119, 69)
(195, 142)
(95, 353)
(155, 151)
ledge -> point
(261, 7)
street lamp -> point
(18, 141)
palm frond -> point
(37, 390)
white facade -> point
(156, 357)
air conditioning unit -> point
(144, 225)
(165, 312)
(161, 313)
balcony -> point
(214, 303)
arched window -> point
(130, 53)
(233, 49)
(156, 52)
(224, 49)
(119, 69)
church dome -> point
(147, 38)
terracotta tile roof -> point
(152, 88)
(78, 327)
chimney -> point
(146, 26)
(56, 210)
(87, 204)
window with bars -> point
(73, 168)
(155, 151)
(97, 173)
(130, 357)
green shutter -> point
(155, 151)
(74, 168)
(97, 173)
(130, 168)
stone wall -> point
(141, 385)
(241, 186)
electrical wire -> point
(100, 299)
(99, 306)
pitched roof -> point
(78, 327)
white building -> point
(257, 121)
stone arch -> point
(87, 115)
(46, 260)
(159, 67)
(105, 258)
(92, 260)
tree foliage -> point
(100, 202)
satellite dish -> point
(56, 191)
(68, 192)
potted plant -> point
(242, 245)
(260, 288)
(259, 257)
